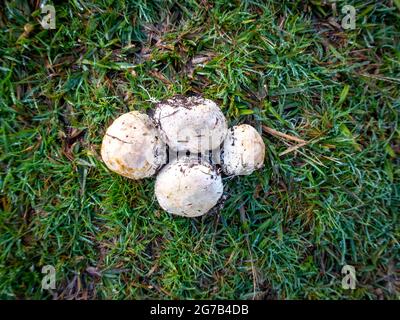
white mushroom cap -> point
(243, 151)
(132, 148)
(191, 124)
(188, 187)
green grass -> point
(285, 231)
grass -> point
(285, 232)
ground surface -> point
(285, 231)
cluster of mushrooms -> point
(189, 140)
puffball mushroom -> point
(188, 187)
(243, 151)
(132, 147)
(192, 124)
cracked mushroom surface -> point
(188, 187)
(192, 124)
(132, 147)
(243, 151)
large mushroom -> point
(132, 148)
(243, 151)
(193, 124)
(188, 187)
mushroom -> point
(193, 124)
(132, 148)
(188, 187)
(243, 151)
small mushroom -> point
(188, 187)
(243, 151)
(191, 124)
(132, 148)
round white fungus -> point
(132, 148)
(243, 151)
(191, 124)
(188, 187)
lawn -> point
(286, 67)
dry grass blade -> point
(282, 135)
(293, 148)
